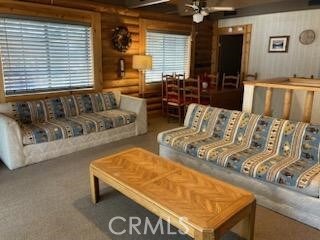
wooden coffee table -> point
(208, 207)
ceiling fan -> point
(201, 8)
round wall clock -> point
(307, 37)
(121, 39)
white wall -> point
(303, 60)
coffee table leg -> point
(247, 231)
(94, 185)
(204, 236)
(252, 218)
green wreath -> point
(121, 39)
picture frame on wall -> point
(279, 44)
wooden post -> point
(268, 102)
(308, 106)
(248, 96)
(287, 103)
(215, 48)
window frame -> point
(166, 27)
(173, 33)
(64, 15)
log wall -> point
(113, 16)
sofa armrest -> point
(138, 106)
(11, 147)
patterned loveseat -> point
(34, 131)
(276, 159)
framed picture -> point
(279, 44)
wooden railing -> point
(311, 86)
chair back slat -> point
(230, 81)
(214, 80)
(191, 91)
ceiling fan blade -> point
(194, 7)
(219, 9)
(185, 10)
(143, 3)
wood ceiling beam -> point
(143, 3)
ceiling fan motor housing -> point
(198, 17)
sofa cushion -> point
(70, 106)
(270, 149)
(28, 112)
(55, 108)
(56, 129)
(40, 111)
(96, 102)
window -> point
(39, 56)
(170, 54)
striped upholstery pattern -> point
(269, 149)
(61, 107)
(69, 116)
(83, 124)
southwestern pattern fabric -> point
(28, 112)
(269, 149)
(83, 124)
(69, 116)
(61, 107)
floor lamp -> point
(142, 63)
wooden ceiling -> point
(243, 7)
(233, 3)
(229, 3)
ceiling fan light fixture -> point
(198, 17)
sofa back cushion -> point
(70, 106)
(96, 102)
(85, 103)
(310, 147)
(211, 120)
(110, 100)
(29, 112)
(300, 140)
(55, 108)
(60, 107)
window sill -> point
(153, 83)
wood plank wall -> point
(113, 16)
(203, 47)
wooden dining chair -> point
(250, 77)
(164, 92)
(229, 81)
(191, 92)
(175, 101)
(214, 80)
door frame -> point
(246, 31)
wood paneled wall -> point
(113, 16)
(203, 47)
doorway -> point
(230, 54)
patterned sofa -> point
(276, 159)
(34, 131)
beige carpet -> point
(50, 200)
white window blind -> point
(39, 56)
(170, 54)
